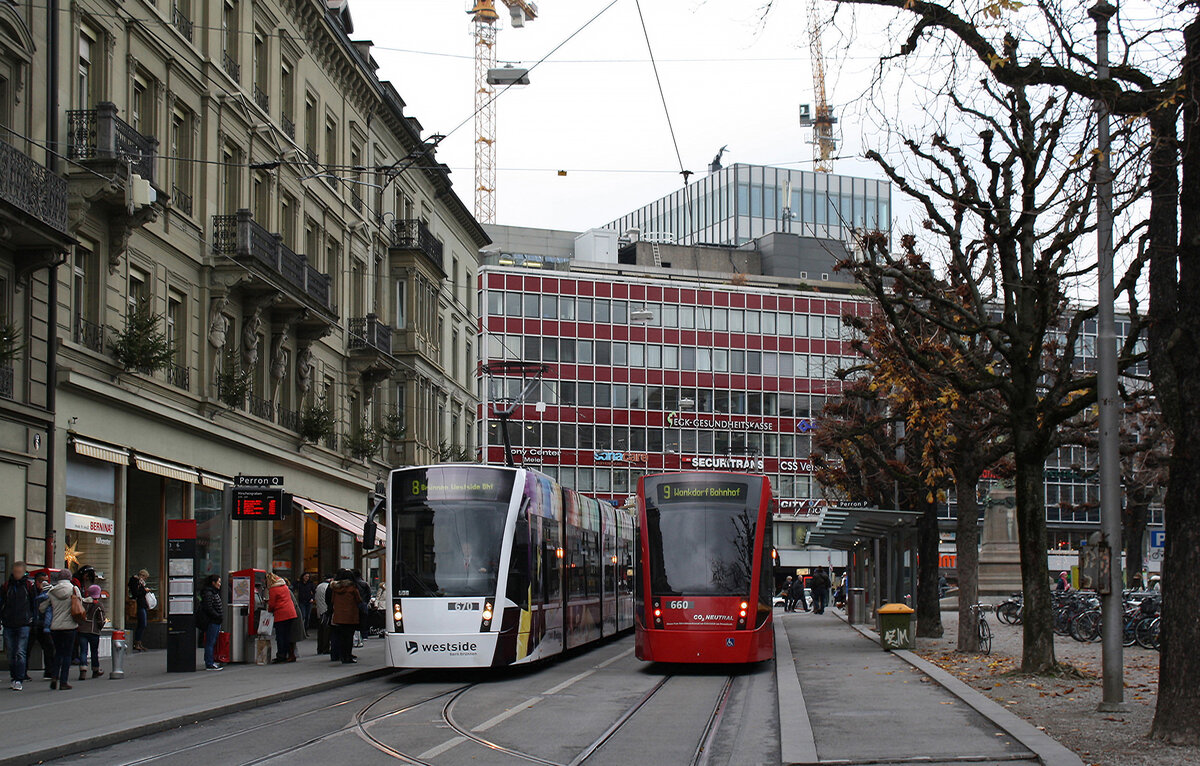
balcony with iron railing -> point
(99, 134)
(88, 334)
(181, 200)
(261, 98)
(356, 201)
(179, 376)
(182, 23)
(242, 239)
(32, 189)
(260, 407)
(231, 66)
(289, 127)
(7, 381)
(413, 234)
(368, 333)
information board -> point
(257, 504)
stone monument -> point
(999, 553)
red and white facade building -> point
(651, 370)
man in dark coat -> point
(796, 591)
(212, 614)
(18, 609)
(820, 590)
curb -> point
(94, 741)
(797, 743)
(1047, 749)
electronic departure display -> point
(419, 486)
(669, 492)
(257, 504)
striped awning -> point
(212, 481)
(100, 451)
(341, 518)
(163, 468)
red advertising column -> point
(181, 603)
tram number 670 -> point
(680, 604)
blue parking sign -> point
(1157, 538)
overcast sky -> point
(593, 108)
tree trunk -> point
(1174, 361)
(929, 607)
(966, 550)
(1037, 651)
(1133, 523)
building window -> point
(310, 125)
(261, 192)
(231, 178)
(401, 303)
(141, 107)
(139, 290)
(229, 35)
(261, 72)
(287, 220)
(287, 95)
(182, 124)
(84, 294)
(177, 325)
(86, 85)
(454, 356)
(331, 141)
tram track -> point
(699, 754)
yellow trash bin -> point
(896, 629)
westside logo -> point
(411, 647)
(462, 647)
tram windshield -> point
(448, 527)
(701, 535)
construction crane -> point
(822, 120)
(485, 19)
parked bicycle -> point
(985, 630)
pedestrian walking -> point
(211, 615)
(786, 594)
(67, 604)
(306, 593)
(943, 586)
(820, 590)
(280, 604)
(41, 625)
(18, 605)
(321, 605)
(797, 592)
(89, 632)
(139, 595)
(345, 601)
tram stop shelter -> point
(881, 546)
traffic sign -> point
(1158, 538)
(258, 481)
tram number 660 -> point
(680, 604)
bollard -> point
(119, 647)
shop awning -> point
(170, 470)
(212, 481)
(842, 528)
(341, 518)
(100, 451)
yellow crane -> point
(485, 18)
(821, 119)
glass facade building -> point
(743, 202)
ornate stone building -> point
(263, 270)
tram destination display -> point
(733, 492)
(418, 486)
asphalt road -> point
(600, 706)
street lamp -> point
(1112, 658)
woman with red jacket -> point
(279, 603)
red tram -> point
(704, 581)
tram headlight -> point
(398, 617)
(485, 624)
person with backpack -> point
(209, 617)
(89, 632)
(19, 609)
(69, 611)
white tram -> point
(491, 566)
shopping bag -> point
(266, 623)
